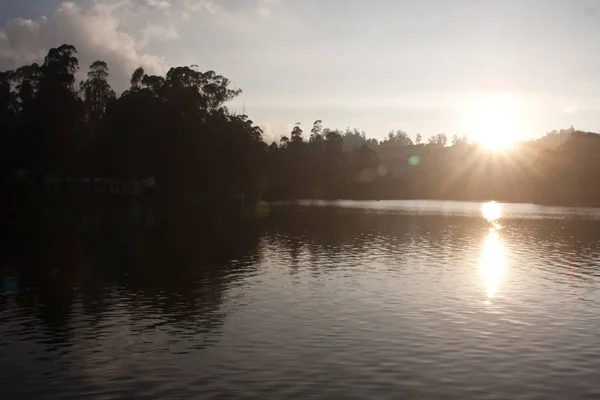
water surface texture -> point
(379, 300)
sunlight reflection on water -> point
(491, 211)
(493, 261)
(330, 299)
(493, 258)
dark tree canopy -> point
(178, 129)
(96, 91)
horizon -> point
(422, 67)
(299, 199)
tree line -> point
(178, 129)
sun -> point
(495, 122)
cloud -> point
(264, 11)
(273, 132)
(116, 31)
(157, 33)
(160, 4)
(265, 7)
(201, 5)
(127, 34)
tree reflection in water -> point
(171, 272)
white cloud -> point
(264, 11)
(118, 32)
(270, 132)
(157, 33)
(201, 5)
(265, 7)
(161, 4)
(132, 33)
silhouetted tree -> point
(136, 78)
(438, 140)
(96, 91)
(459, 140)
(178, 129)
(58, 114)
(315, 132)
(399, 138)
(296, 134)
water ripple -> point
(341, 300)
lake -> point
(342, 299)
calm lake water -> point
(377, 300)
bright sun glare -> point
(491, 211)
(495, 123)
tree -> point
(96, 91)
(353, 139)
(438, 140)
(207, 90)
(57, 114)
(153, 83)
(297, 134)
(363, 158)
(8, 113)
(459, 140)
(26, 80)
(136, 78)
(315, 132)
(177, 128)
(8, 99)
(403, 139)
(60, 66)
(333, 141)
(442, 139)
(399, 138)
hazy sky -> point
(421, 66)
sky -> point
(427, 66)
